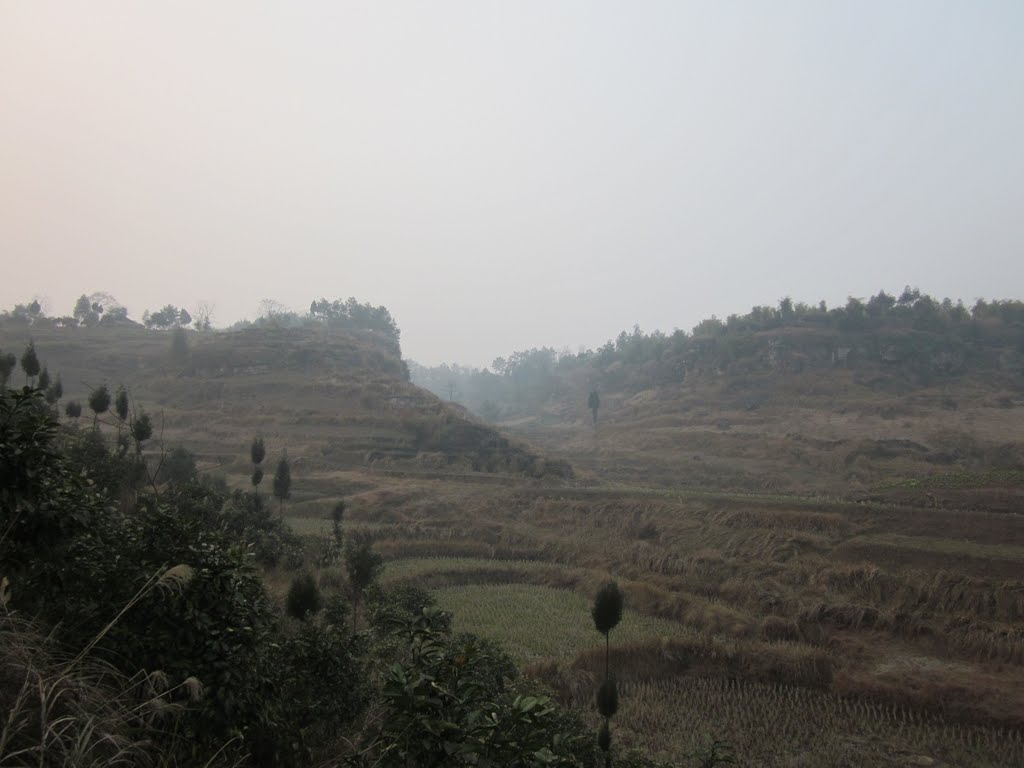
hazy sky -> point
(503, 175)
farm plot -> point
(535, 622)
(784, 726)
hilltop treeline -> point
(912, 334)
(103, 310)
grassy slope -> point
(334, 401)
(829, 431)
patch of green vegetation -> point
(961, 480)
(412, 568)
(946, 546)
(534, 622)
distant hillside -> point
(333, 399)
(845, 400)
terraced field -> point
(535, 622)
(783, 725)
(747, 617)
(858, 610)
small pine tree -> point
(337, 517)
(257, 452)
(363, 566)
(99, 402)
(30, 362)
(121, 404)
(7, 363)
(142, 430)
(283, 482)
(607, 613)
(608, 698)
(180, 467)
(43, 382)
(334, 547)
(73, 409)
(55, 392)
(594, 402)
(179, 342)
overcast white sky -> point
(503, 175)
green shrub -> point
(246, 517)
(304, 598)
(162, 586)
(444, 705)
(397, 605)
(337, 610)
(322, 687)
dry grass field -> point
(834, 577)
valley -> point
(822, 568)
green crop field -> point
(535, 622)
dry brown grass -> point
(81, 712)
(783, 726)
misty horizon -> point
(502, 178)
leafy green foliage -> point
(99, 401)
(86, 452)
(257, 452)
(30, 361)
(163, 586)
(333, 548)
(43, 501)
(396, 605)
(923, 338)
(142, 429)
(304, 597)
(363, 565)
(169, 316)
(73, 409)
(179, 467)
(247, 518)
(443, 706)
(87, 312)
(351, 314)
(336, 611)
(25, 314)
(171, 585)
(323, 686)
